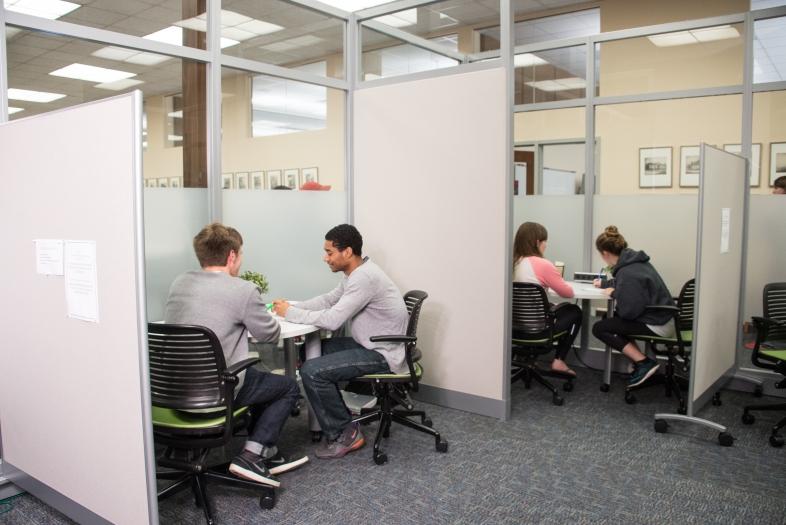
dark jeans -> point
(613, 331)
(568, 319)
(342, 359)
(271, 398)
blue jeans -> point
(342, 359)
(271, 398)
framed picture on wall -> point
(163, 182)
(291, 177)
(227, 182)
(777, 160)
(273, 179)
(755, 160)
(655, 167)
(690, 165)
(175, 182)
(241, 180)
(309, 175)
(257, 180)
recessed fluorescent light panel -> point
(174, 35)
(559, 84)
(694, 36)
(91, 73)
(51, 9)
(527, 60)
(354, 5)
(32, 96)
(11, 110)
(119, 85)
(130, 55)
(234, 26)
(400, 19)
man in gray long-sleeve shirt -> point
(368, 298)
(214, 297)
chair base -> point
(526, 371)
(386, 415)
(196, 474)
(776, 440)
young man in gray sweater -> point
(368, 298)
(214, 297)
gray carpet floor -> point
(593, 460)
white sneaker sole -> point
(289, 466)
(252, 476)
(646, 376)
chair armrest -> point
(231, 372)
(766, 322)
(393, 339)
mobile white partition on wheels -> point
(429, 194)
(74, 395)
(722, 189)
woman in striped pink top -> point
(529, 266)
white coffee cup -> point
(561, 267)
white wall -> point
(429, 201)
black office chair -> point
(393, 389)
(533, 335)
(769, 351)
(676, 349)
(188, 372)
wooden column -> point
(194, 103)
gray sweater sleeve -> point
(262, 326)
(324, 301)
(354, 296)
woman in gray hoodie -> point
(635, 286)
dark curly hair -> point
(346, 236)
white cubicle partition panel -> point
(719, 265)
(664, 226)
(766, 262)
(73, 402)
(172, 218)
(563, 218)
(284, 236)
(429, 199)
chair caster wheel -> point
(604, 387)
(381, 458)
(567, 387)
(268, 501)
(748, 418)
(559, 401)
(630, 398)
(716, 400)
(316, 436)
(427, 422)
(682, 410)
(442, 446)
(725, 439)
(661, 426)
(776, 440)
(758, 391)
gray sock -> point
(260, 450)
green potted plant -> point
(258, 279)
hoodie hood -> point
(628, 257)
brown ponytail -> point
(611, 240)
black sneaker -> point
(252, 467)
(643, 371)
(279, 463)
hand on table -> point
(608, 291)
(280, 307)
(596, 283)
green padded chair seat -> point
(537, 341)
(178, 419)
(687, 337)
(775, 353)
(404, 377)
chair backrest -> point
(186, 363)
(686, 302)
(414, 300)
(530, 312)
(775, 308)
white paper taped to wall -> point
(81, 280)
(725, 229)
(49, 256)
